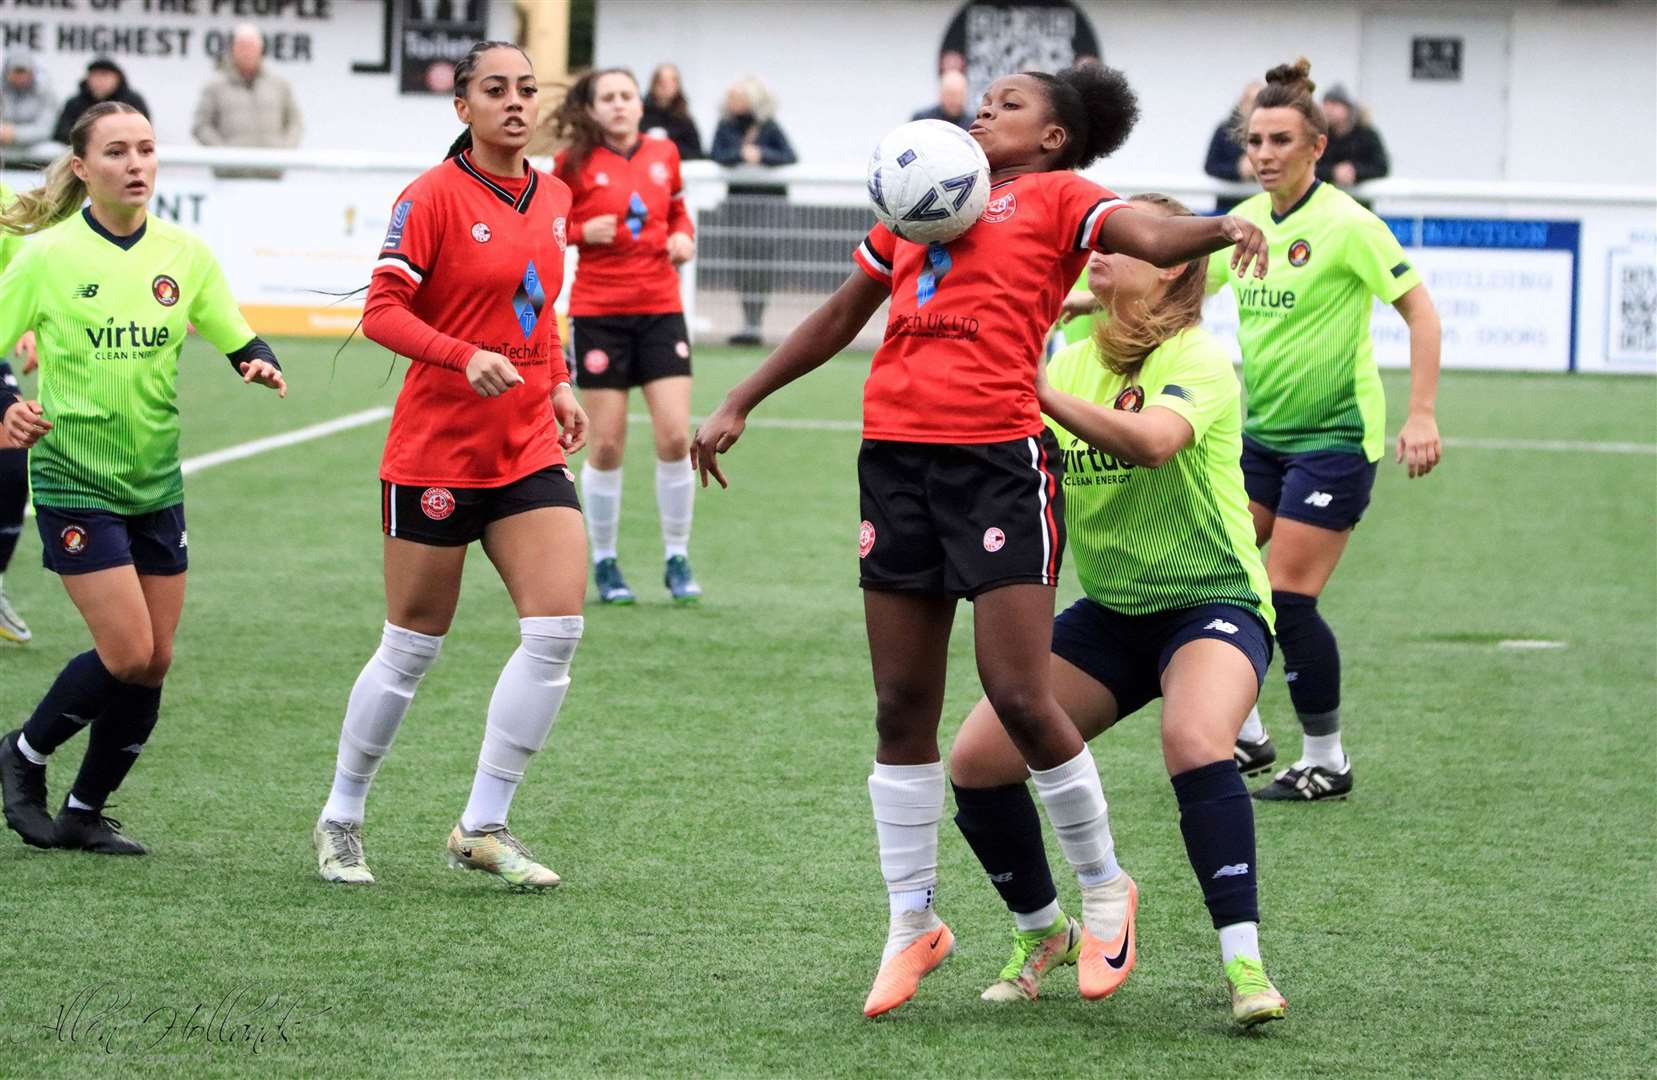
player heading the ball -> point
(960, 481)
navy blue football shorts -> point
(76, 541)
(1127, 654)
(1326, 488)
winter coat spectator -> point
(247, 104)
(1226, 159)
(1355, 152)
(105, 81)
(27, 104)
(667, 114)
(749, 135)
(952, 102)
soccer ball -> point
(928, 181)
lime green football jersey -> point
(110, 315)
(1308, 361)
(1148, 540)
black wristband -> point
(8, 398)
(256, 349)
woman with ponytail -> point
(627, 317)
(1316, 426)
(960, 485)
(464, 288)
(1176, 606)
(110, 293)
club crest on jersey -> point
(559, 234)
(437, 503)
(596, 361)
(601, 179)
(480, 233)
(1131, 399)
(1001, 207)
(658, 173)
(865, 539)
(1300, 253)
(73, 539)
(165, 290)
(994, 539)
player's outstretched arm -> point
(820, 336)
(1170, 241)
(256, 362)
(1418, 442)
(1146, 438)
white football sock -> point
(1253, 730)
(1324, 750)
(373, 713)
(675, 500)
(521, 713)
(1239, 939)
(1075, 803)
(30, 754)
(908, 804)
(76, 804)
(1038, 920)
(601, 505)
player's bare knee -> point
(1023, 708)
(605, 454)
(672, 447)
(128, 660)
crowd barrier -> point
(1533, 277)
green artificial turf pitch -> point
(1483, 905)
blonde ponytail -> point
(63, 192)
(1127, 333)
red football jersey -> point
(631, 275)
(968, 318)
(471, 261)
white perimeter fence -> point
(1526, 276)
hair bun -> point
(1296, 76)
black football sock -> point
(118, 737)
(1003, 829)
(82, 689)
(1216, 817)
(1312, 668)
(14, 496)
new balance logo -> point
(184, 538)
(1319, 499)
(1222, 626)
(135, 749)
(1001, 879)
(1239, 869)
(86, 292)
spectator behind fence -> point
(1226, 159)
(105, 81)
(952, 101)
(667, 114)
(27, 108)
(748, 134)
(1355, 152)
(247, 104)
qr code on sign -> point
(1637, 314)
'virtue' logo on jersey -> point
(86, 292)
(130, 336)
(1085, 466)
(1262, 298)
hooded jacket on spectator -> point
(84, 100)
(30, 112)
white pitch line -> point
(287, 438)
(1457, 442)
